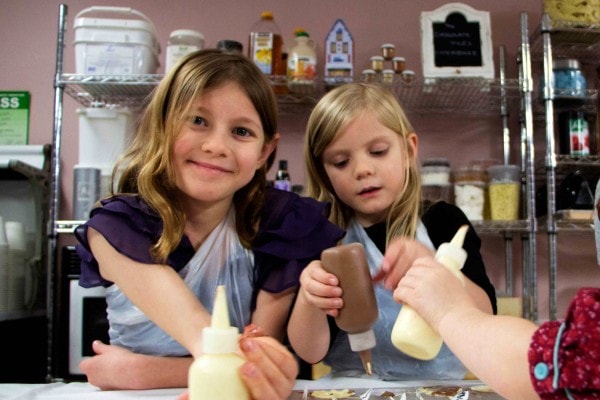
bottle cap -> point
(283, 164)
(187, 32)
(220, 337)
(266, 15)
(362, 341)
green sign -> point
(14, 117)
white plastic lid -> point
(186, 32)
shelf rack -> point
(548, 43)
(444, 97)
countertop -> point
(403, 390)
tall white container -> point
(104, 134)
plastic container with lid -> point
(302, 64)
(503, 188)
(265, 45)
(231, 46)
(568, 78)
(435, 180)
(182, 42)
(470, 191)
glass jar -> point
(377, 63)
(408, 76)
(470, 191)
(231, 46)
(503, 191)
(399, 64)
(388, 51)
(369, 76)
(387, 76)
(568, 78)
(181, 42)
(435, 180)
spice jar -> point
(568, 79)
(387, 76)
(377, 63)
(369, 76)
(408, 76)
(470, 191)
(388, 51)
(503, 191)
(399, 64)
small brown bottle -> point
(359, 312)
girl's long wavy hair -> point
(146, 168)
(330, 116)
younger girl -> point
(361, 156)
(192, 212)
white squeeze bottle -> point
(411, 334)
(215, 374)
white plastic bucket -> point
(115, 46)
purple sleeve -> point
(293, 233)
(564, 357)
(127, 225)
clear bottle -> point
(215, 374)
(265, 45)
(358, 315)
(182, 42)
(411, 334)
(302, 64)
(283, 181)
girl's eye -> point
(198, 120)
(379, 152)
(340, 164)
(242, 132)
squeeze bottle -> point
(411, 334)
(215, 374)
(349, 263)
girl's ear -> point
(267, 149)
(413, 145)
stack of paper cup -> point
(17, 247)
(3, 268)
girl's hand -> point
(321, 289)
(398, 259)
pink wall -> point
(28, 30)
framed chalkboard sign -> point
(456, 41)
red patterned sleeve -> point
(564, 357)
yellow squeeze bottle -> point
(215, 374)
(411, 334)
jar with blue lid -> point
(568, 78)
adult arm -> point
(494, 348)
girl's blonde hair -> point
(147, 166)
(329, 117)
